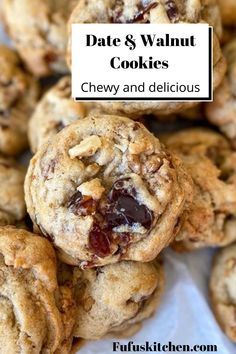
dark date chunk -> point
(172, 10)
(99, 241)
(59, 126)
(124, 209)
(50, 57)
(81, 205)
(139, 16)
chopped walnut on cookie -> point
(210, 219)
(104, 189)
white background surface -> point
(185, 316)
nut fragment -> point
(86, 148)
(92, 188)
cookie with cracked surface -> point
(211, 218)
(18, 97)
(104, 189)
(223, 290)
(56, 110)
(161, 12)
(228, 11)
(222, 111)
(38, 29)
(115, 299)
(33, 307)
(12, 203)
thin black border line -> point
(185, 99)
(210, 82)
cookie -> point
(12, 203)
(38, 29)
(209, 13)
(229, 34)
(116, 298)
(210, 219)
(223, 291)
(137, 11)
(105, 189)
(18, 96)
(228, 11)
(55, 110)
(33, 307)
(222, 111)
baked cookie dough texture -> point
(222, 111)
(12, 203)
(55, 111)
(223, 290)
(18, 97)
(104, 189)
(38, 29)
(114, 299)
(228, 11)
(210, 220)
(36, 314)
(161, 11)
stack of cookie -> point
(105, 196)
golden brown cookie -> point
(105, 189)
(38, 30)
(229, 33)
(116, 298)
(18, 96)
(228, 11)
(222, 111)
(34, 311)
(211, 218)
(12, 203)
(56, 110)
(223, 290)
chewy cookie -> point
(211, 218)
(105, 189)
(38, 29)
(229, 33)
(18, 96)
(228, 11)
(55, 110)
(12, 203)
(163, 12)
(223, 290)
(222, 111)
(35, 312)
(116, 298)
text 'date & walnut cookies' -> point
(223, 290)
(35, 312)
(105, 189)
(155, 12)
(116, 298)
(211, 218)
